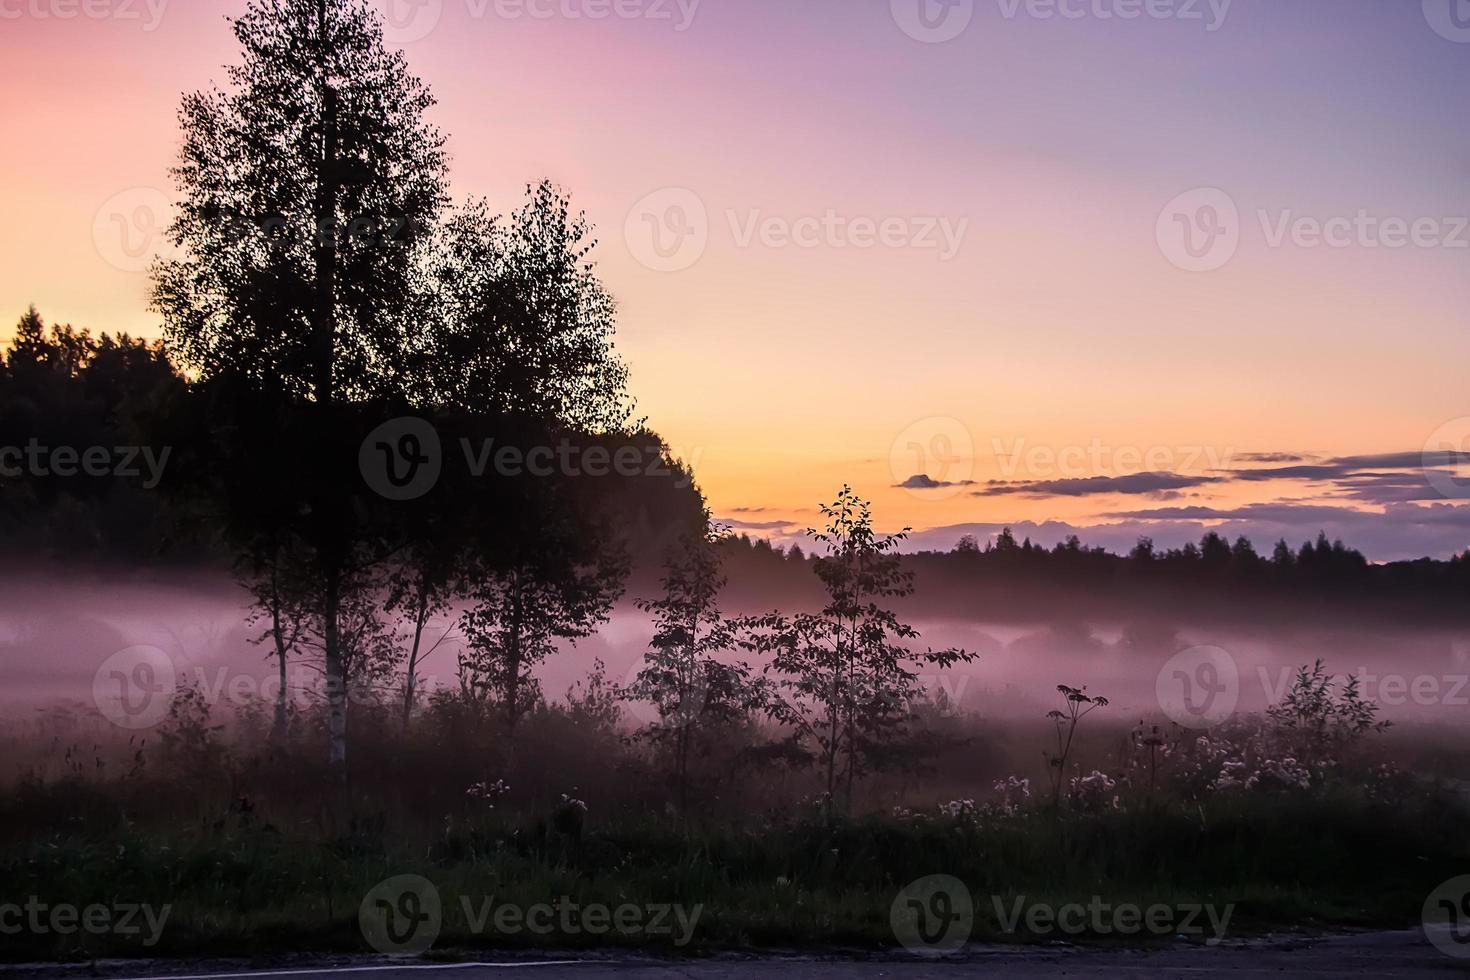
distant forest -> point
(125, 400)
(65, 387)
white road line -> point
(369, 969)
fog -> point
(58, 628)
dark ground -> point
(1378, 954)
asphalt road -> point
(1393, 954)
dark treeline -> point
(66, 392)
(1010, 578)
(63, 387)
(66, 387)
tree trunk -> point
(278, 727)
(420, 619)
(513, 661)
(325, 328)
(336, 683)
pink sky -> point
(1054, 314)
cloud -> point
(1307, 515)
(1383, 478)
(923, 481)
(1275, 457)
(753, 525)
(1132, 484)
(1308, 471)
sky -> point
(1080, 266)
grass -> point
(88, 822)
(1309, 860)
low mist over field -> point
(58, 627)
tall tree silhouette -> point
(309, 192)
(324, 285)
